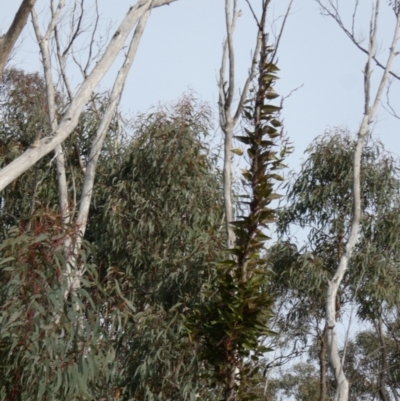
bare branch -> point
(278, 41)
(389, 108)
(44, 42)
(231, 54)
(342, 390)
(8, 40)
(55, 15)
(353, 18)
(73, 273)
(254, 15)
(105, 123)
(96, 24)
(336, 16)
(62, 64)
(251, 76)
(71, 117)
(392, 54)
(77, 29)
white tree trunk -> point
(72, 242)
(71, 117)
(342, 384)
(44, 45)
(228, 118)
(74, 272)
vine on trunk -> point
(234, 316)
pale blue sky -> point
(181, 49)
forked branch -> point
(370, 109)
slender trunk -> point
(230, 392)
(230, 235)
(44, 45)
(322, 366)
(228, 119)
(342, 384)
(74, 272)
(383, 368)
(72, 243)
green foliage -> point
(156, 222)
(50, 349)
(24, 117)
(300, 383)
(320, 202)
(155, 234)
(364, 364)
(234, 315)
(363, 367)
(24, 111)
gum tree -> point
(372, 103)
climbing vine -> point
(233, 318)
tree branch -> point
(342, 390)
(8, 40)
(74, 273)
(71, 117)
(44, 45)
(336, 16)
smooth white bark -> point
(71, 117)
(342, 384)
(44, 45)
(74, 272)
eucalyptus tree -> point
(53, 138)
(363, 366)
(157, 225)
(371, 104)
(43, 359)
(371, 375)
(155, 232)
(24, 112)
(72, 243)
(231, 321)
(320, 201)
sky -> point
(181, 51)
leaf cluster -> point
(51, 349)
(235, 314)
(152, 241)
(320, 201)
(156, 223)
